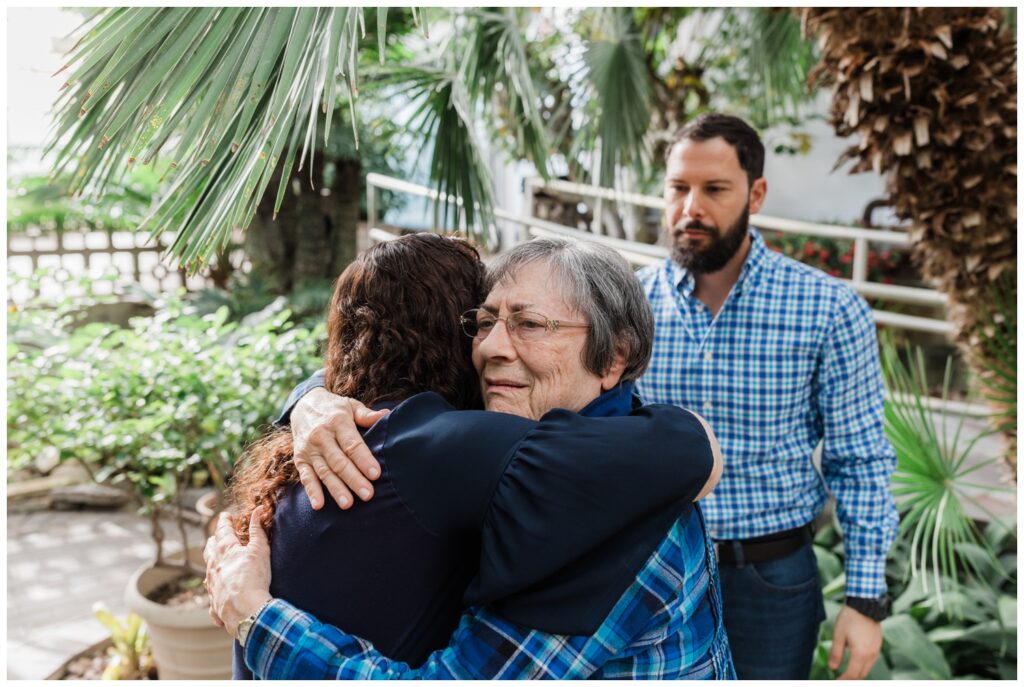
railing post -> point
(860, 261)
(527, 204)
(371, 203)
(595, 226)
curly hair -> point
(392, 331)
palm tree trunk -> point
(313, 237)
(931, 94)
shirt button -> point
(707, 405)
(707, 356)
(700, 307)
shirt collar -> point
(615, 402)
(682, 278)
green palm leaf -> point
(221, 91)
(620, 89)
(932, 475)
(442, 114)
(497, 61)
(763, 61)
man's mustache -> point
(692, 226)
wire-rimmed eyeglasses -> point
(522, 324)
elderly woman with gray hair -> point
(589, 565)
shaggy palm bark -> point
(931, 95)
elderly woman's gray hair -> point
(597, 282)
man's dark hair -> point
(737, 133)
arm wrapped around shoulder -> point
(581, 507)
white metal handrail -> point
(859, 235)
(645, 254)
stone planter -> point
(186, 644)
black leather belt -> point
(766, 548)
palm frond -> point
(763, 62)
(220, 91)
(931, 476)
(620, 87)
(496, 60)
(441, 114)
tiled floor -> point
(58, 564)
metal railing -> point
(645, 254)
(861, 238)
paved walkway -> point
(58, 564)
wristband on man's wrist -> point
(878, 608)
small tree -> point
(149, 405)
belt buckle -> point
(735, 547)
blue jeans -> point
(773, 611)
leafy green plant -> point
(148, 405)
(241, 87)
(932, 477)
(230, 95)
(130, 657)
(953, 581)
(973, 636)
(46, 203)
(835, 257)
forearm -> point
(858, 468)
(857, 459)
(868, 517)
(286, 643)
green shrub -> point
(147, 405)
(972, 635)
(953, 581)
(835, 257)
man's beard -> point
(720, 250)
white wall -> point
(804, 187)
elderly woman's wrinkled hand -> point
(330, 449)
(237, 575)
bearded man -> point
(778, 357)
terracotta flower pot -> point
(186, 644)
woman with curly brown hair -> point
(392, 332)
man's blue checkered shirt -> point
(791, 359)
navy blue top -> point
(547, 520)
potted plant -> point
(147, 406)
(124, 655)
